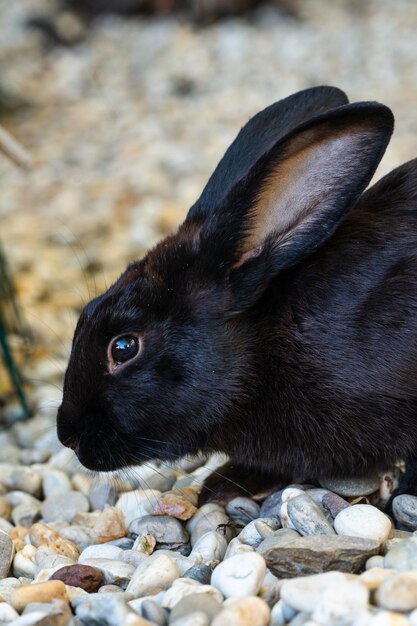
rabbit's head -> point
(165, 360)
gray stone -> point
(300, 556)
(349, 487)
(64, 506)
(213, 521)
(200, 573)
(102, 493)
(151, 611)
(242, 510)
(55, 482)
(257, 530)
(333, 503)
(24, 479)
(168, 531)
(272, 505)
(405, 510)
(103, 609)
(6, 554)
(26, 514)
(402, 556)
(307, 516)
(196, 602)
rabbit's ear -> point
(257, 137)
(296, 195)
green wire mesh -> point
(11, 321)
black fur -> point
(299, 359)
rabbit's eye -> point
(123, 349)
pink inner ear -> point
(249, 254)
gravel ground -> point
(124, 130)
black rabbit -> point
(278, 325)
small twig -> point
(14, 150)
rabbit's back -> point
(345, 348)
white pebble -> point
(152, 576)
(210, 548)
(284, 517)
(240, 575)
(363, 520)
(137, 503)
(183, 587)
(100, 551)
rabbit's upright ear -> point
(294, 197)
(258, 136)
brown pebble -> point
(38, 592)
(107, 524)
(84, 576)
(41, 535)
(334, 503)
(174, 506)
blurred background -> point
(127, 105)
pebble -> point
(137, 504)
(257, 530)
(200, 573)
(236, 546)
(100, 551)
(183, 587)
(403, 555)
(307, 517)
(144, 543)
(6, 554)
(175, 506)
(26, 514)
(216, 521)
(167, 531)
(114, 572)
(24, 562)
(375, 561)
(24, 479)
(307, 593)
(196, 618)
(38, 592)
(55, 482)
(153, 576)
(405, 510)
(242, 510)
(363, 520)
(272, 505)
(398, 592)
(333, 503)
(243, 612)
(100, 494)
(151, 611)
(299, 556)
(84, 576)
(5, 509)
(105, 525)
(7, 613)
(270, 590)
(64, 506)
(240, 575)
(203, 602)
(209, 549)
(374, 576)
(350, 487)
(107, 609)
